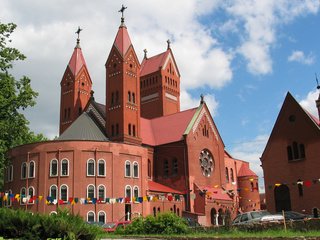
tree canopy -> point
(15, 96)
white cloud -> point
(261, 19)
(299, 56)
(309, 104)
(251, 151)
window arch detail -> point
(90, 167)
(53, 168)
(64, 167)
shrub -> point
(163, 223)
(25, 225)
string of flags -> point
(306, 183)
(5, 196)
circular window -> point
(206, 163)
(292, 118)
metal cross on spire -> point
(78, 39)
(122, 11)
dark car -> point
(291, 215)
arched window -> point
(101, 167)
(128, 169)
(289, 152)
(112, 130)
(135, 170)
(112, 98)
(90, 191)
(295, 150)
(24, 168)
(32, 169)
(90, 217)
(64, 192)
(117, 97)
(101, 217)
(174, 166)
(117, 129)
(10, 173)
(90, 167)
(136, 192)
(165, 168)
(102, 193)
(154, 211)
(31, 193)
(231, 174)
(128, 192)
(300, 187)
(54, 168)
(149, 168)
(227, 174)
(53, 192)
(252, 186)
(65, 167)
(23, 195)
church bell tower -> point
(123, 89)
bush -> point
(163, 223)
(25, 225)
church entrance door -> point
(282, 198)
(127, 211)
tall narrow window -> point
(165, 168)
(129, 96)
(31, 193)
(128, 169)
(129, 129)
(112, 98)
(252, 186)
(24, 167)
(90, 217)
(134, 130)
(112, 130)
(135, 170)
(149, 168)
(101, 168)
(69, 113)
(136, 192)
(174, 167)
(231, 174)
(90, 191)
(53, 192)
(90, 167)
(227, 174)
(295, 150)
(23, 195)
(64, 193)
(32, 169)
(64, 167)
(117, 129)
(101, 193)
(300, 187)
(302, 152)
(54, 168)
(117, 97)
(133, 98)
(101, 217)
(10, 173)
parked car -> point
(255, 216)
(113, 226)
(291, 215)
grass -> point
(227, 235)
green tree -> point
(15, 96)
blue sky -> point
(243, 55)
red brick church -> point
(136, 154)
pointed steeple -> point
(75, 87)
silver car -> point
(255, 216)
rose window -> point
(206, 163)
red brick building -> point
(290, 160)
(135, 154)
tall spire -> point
(122, 17)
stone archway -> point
(282, 198)
(213, 214)
(220, 217)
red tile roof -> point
(157, 187)
(122, 40)
(153, 64)
(245, 171)
(76, 61)
(165, 129)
